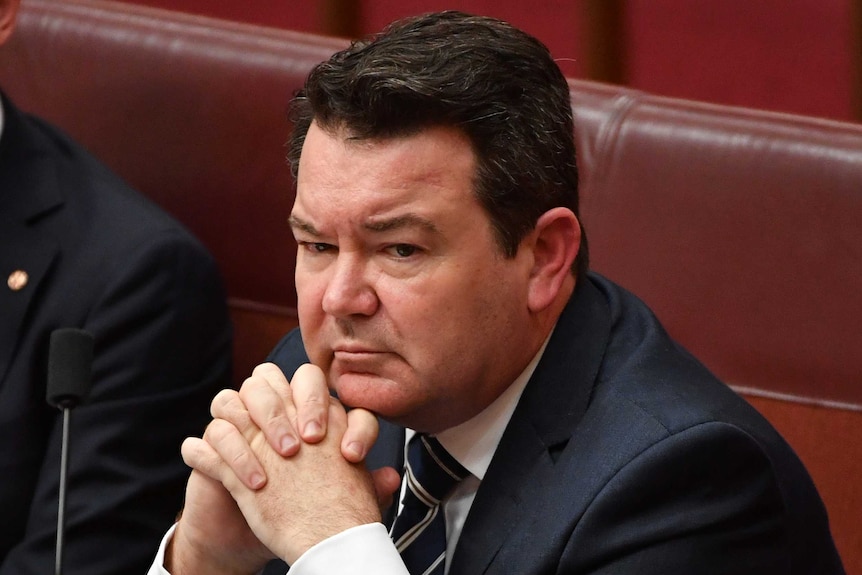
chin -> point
(360, 389)
(380, 395)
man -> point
(443, 286)
(80, 249)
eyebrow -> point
(400, 222)
(379, 226)
(303, 226)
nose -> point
(349, 290)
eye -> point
(403, 250)
(316, 247)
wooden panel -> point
(339, 18)
(604, 41)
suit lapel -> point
(22, 250)
(29, 179)
(29, 189)
(553, 403)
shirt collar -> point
(474, 442)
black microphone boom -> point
(70, 365)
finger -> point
(228, 405)
(361, 433)
(311, 399)
(201, 457)
(231, 406)
(267, 397)
(235, 452)
(386, 483)
(198, 455)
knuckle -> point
(276, 421)
(313, 400)
(250, 385)
(263, 368)
(217, 431)
(240, 459)
(222, 399)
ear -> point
(556, 240)
(8, 11)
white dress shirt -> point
(368, 548)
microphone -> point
(70, 362)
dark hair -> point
(496, 83)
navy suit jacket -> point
(625, 455)
(102, 258)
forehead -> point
(367, 176)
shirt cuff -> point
(157, 568)
(357, 551)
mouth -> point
(358, 359)
(354, 350)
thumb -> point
(386, 482)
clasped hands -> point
(279, 469)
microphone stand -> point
(70, 360)
(61, 509)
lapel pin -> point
(17, 280)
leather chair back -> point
(742, 229)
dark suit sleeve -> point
(289, 353)
(702, 501)
(162, 350)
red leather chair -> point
(742, 229)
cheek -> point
(442, 321)
(309, 290)
(310, 312)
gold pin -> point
(17, 280)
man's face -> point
(405, 299)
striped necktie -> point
(419, 531)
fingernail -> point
(288, 442)
(356, 449)
(312, 429)
(256, 480)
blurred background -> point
(798, 56)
